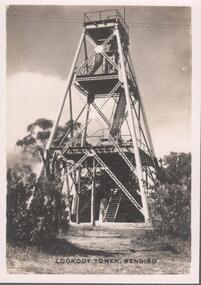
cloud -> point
(30, 96)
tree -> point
(38, 223)
(39, 220)
(171, 210)
(38, 134)
(176, 168)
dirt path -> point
(106, 250)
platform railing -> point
(105, 15)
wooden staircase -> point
(112, 208)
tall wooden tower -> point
(112, 168)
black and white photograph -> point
(99, 142)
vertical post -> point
(77, 210)
(71, 113)
(85, 51)
(139, 123)
(67, 194)
(124, 15)
(78, 198)
(56, 122)
(103, 65)
(143, 111)
(146, 176)
(83, 141)
(133, 132)
(69, 81)
(93, 193)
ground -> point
(111, 249)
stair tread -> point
(112, 208)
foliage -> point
(39, 222)
(35, 211)
(171, 212)
(176, 168)
(43, 123)
(38, 133)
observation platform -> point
(108, 153)
(95, 84)
(100, 24)
(101, 85)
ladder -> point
(127, 161)
(113, 207)
(119, 184)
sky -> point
(41, 42)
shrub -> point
(171, 209)
(39, 221)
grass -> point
(166, 243)
(56, 247)
(172, 255)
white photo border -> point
(193, 277)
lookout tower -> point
(111, 168)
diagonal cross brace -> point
(110, 61)
(92, 42)
(108, 39)
(81, 130)
(125, 158)
(78, 163)
(91, 56)
(101, 114)
(119, 184)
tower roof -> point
(105, 17)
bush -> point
(39, 221)
(171, 209)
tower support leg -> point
(83, 140)
(143, 112)
(93, 194)
(56, 122)
(133, 131)
(78, 198)
(71, 113)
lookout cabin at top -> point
(100, 24)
